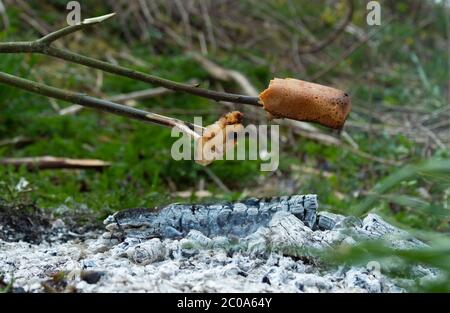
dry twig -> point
(49, 162)
(123, 98)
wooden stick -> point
(99, 104)
(50, 162)
(44, 46)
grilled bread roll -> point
(305, 101)
(218, 138)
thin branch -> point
(49, 162)
(44, 46)
(98, 104)
(74, 28)
(141, 94)
(17, 141)
(216, 179)
(347, 53)
(224, 74)
(335, 34)
(29, 16)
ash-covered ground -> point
(257, 245)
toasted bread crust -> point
(216, 139)
(234, 117)
(305, 101)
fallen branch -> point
(352, 49)
(216, 180)
(16, 141)
(226, 75)
(335, 34)
(29, 16)
(49, 162)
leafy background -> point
(393, 156)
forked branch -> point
(44, 46)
